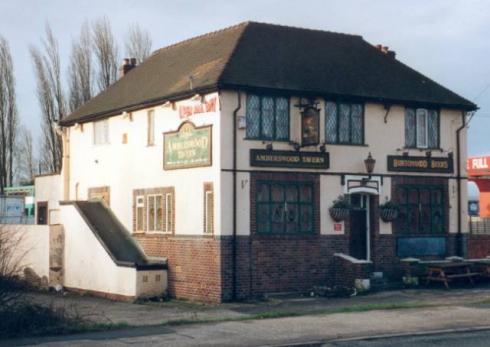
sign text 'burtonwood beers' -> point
(420, 164)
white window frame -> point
(155, 217)
(150, 128)
(169, 206)
(206, 211)
(421, 122)
(103, 137)
(140, 205)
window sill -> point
(347, 144)
(421, 149)
(265, 140)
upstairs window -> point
(101, 132)
(267, 118)
(421, 128)
(150, 128)
(344, 123)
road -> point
(284, 331)
(479, 338)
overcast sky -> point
(449, 41)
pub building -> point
(264, 158)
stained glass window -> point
(421, 209)
(284, 208)
(267, 118)
(344, 123)
(421, 128)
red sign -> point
(478, 166)
(185, 111)
(337, 227)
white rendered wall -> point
(87, 264)
(135, 165)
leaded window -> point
(284, 208)
(344, 123)
(267, 118)
(421, 128)
(421, 209)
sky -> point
(446, 40)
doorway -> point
(360, 247)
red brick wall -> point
(194, 264)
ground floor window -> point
(284, 207)
(154, 210)
(422, 209)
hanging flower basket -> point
(339, 214)
(340, 209)
(388, 211)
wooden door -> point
(358, 234)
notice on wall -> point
(420, 164)
(188, 147)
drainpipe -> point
(234, 246)
(459, 236)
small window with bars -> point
(169, 212)
(267, 118)
(208, 208)
(150, 128)
(344, 123)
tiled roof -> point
(254, 55)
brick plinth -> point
(194, 265)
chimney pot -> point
(127, 65)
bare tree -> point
(8, 116)
(51, 99)
(138, 43)
(26, 161)
(106, 52)
(80, 71)
(10, 266)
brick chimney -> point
(127, 65)
(386, 50)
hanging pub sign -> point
(188, 147)
(420, 164)
(310, 126)
(289, 159)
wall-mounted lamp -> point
(428, 154)
(269, 147)
(322, 148)
(369, 162)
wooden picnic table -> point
(446, 272)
